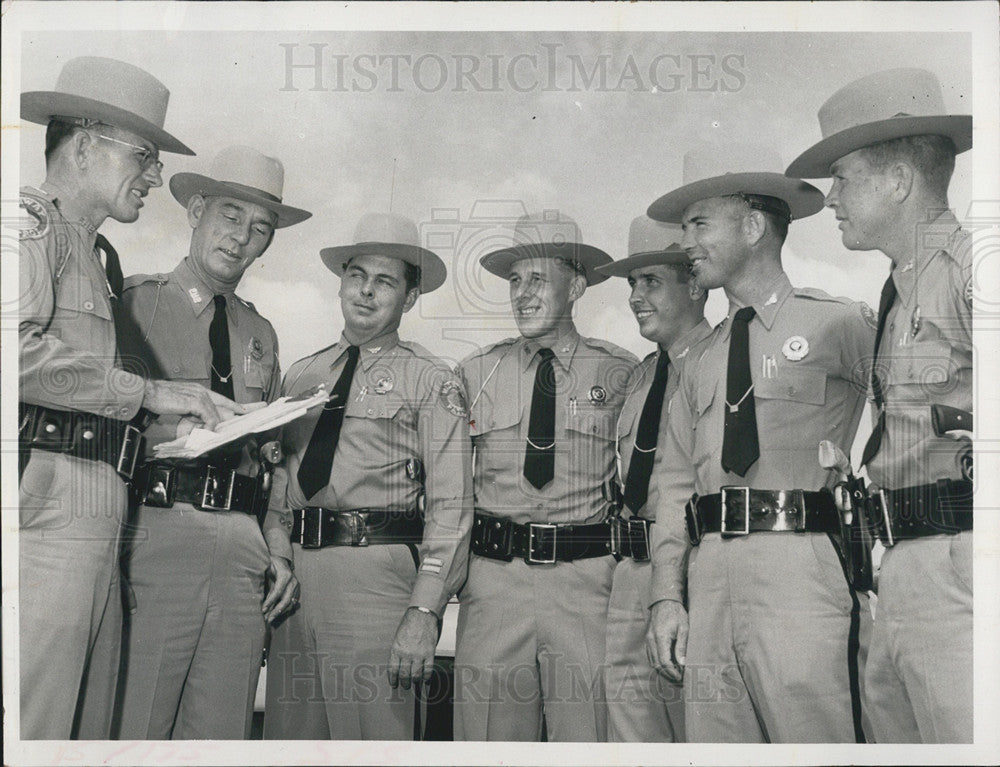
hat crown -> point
(116, 83)
(648, 236)
(245, 166)
(386, 227)
(880, 96)
(713, 160)
(547, 227)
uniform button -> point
(539, 506)
(88, 434)
(124, 412)
(177, 369)
(593, 429)
(88, 305)
(50, 428)
(371, 411)
(791, 390)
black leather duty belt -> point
(315, 527)
(538, 544)
(206, 487)
(737, 511)
(630, 537)
(940, 508)
(82, 435)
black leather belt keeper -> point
(630, 538)
(538, 544)
(940, 508)
(737, 511)
(206, 487)
(315, 527)
(82, 435)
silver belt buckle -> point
(215, 487)
(724, 494)
(532, 527)
(128, 456)
(359, 530)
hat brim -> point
(803, 199)
(499, 262)
(183, 186)
(432, 268)
(671, 256)
(815, 162)
(41, 106)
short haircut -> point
(774, 209)
(572, 264)
(411, 275)
(932, 156)
(56, 134)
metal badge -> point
(795, 348)
(915, 322)
(597, 395)
(255, 348)
(195, 295)
(383, 385)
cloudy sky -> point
(454, 128)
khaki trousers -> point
(919, 674)
(196, 639)
(531, 643)
(71, 515)
(643, 706)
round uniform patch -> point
(795, 348)
(384, 385)
(256, 348)
(37, 222)
(968, 292)
(453, 399)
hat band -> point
(782, 211)
(253, 190)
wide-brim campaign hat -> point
(724, 170)
(880, 107)
(110, 92)
(548, 234)
(242, 173)
(650, 243)
(386, 234)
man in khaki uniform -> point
(80, 413)
(544, 407)
(642, 705)
(378, 497)
(769, 640)
(890, 148)
(195, 558)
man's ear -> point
(901, 178)
(754, 226)
(411, 298)
(81, 144)
(196, 209)
(577, 287)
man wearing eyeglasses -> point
(80, 413)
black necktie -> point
(884, 305)
(112, 267)
(317, 461)
(640, 467)
(218, 338)
(540, 452)
(740, 448)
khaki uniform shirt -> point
(638, 390)
(809, 361)
(591, 382)
(404, 405)
(66, 331)
(165, 334)
(926, 359)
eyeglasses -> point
(147, 158)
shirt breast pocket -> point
(257, 378)
(374, 407)
(79, 298)
(590, 436)
(924, 370)
(786, 402)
